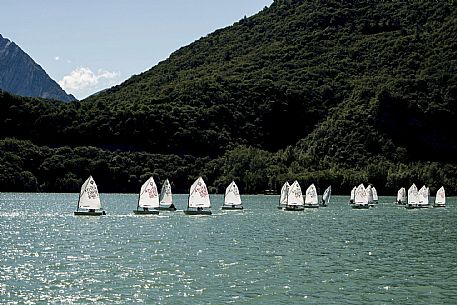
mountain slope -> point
(323, 91)
(270, 79)
(20, 75)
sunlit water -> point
(262, 255)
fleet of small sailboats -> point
(148, 199)
(89, 199)
(290, 199)
(198, 202)
(232, 198)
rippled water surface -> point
(333, 255)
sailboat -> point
(401, 196)
(423, 197)
(440, 199)
(360, 198)
(311, 198)
(148, 198)
(294, 198)
(326, 196)
(413, 197)
(351, 200)
(198, 199)
(369, 191)
(375, 195)
(89, 199)
(232, 198)
(283, 196)
(166, 198)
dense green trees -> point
(331, 92)
(27, 167)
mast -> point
(138, 203)
(79, 199)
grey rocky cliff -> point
(21, 75)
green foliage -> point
(327, 92)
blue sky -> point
(87, 45)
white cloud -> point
(83, 78)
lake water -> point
(262, 255)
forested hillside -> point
(338, 92)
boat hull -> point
(229, 207)
(293, 208)
(439, 206)
(311, 206)
(149, 212)
(360, 207)
(192, 212)
(416, 206)
(87, 213)
(165, 209)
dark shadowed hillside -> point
(329, 91)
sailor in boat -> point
(199, 209)
(172, 207)
(91, 210)
(145, 209)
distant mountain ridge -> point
(21, 75)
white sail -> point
(440, 198)
(361, 196)
(413, 195)
(404, 198)
(369, 191)
(423, 195)
(400, 194)
(353, 193)
(88, 196)
(295, 196)
(232, 195)
(327, 194)
(166, 197)
(149, 197)
(311, 195)
(199, 197)
(375, 194)
(284, 193)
